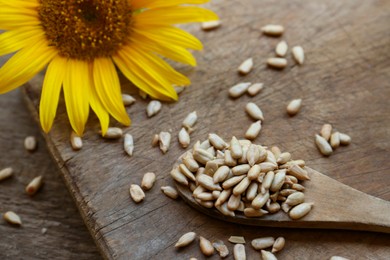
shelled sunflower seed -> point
(205, 246)
(136, 193)
(185, 239)
(128, 144)
(255, 89)
(246, 66)
(165, 141)
(277, 63)
(34, 185)
(113, 133)
(148, 180)
(328, 140)
(75, 141)
(184, 138)
(221, 248)
(239, 89)
(248, 179)
(239, 252)
(210, 25)
(153, 108)
(12, 218)
(6, 173)
(294, 106)
(30, 143)
(273, 30)
(281, 49)
(127, 99)
(298, 54)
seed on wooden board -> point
(221, 248)
(298, 54)
(205, 196)
(235, 148)
(284, 158)
(277, 63)
(153, 108)
(216, 141)
(127, 99)
(241, 169)
(30, 143)
(344, 139)
(223, 197)
(229, 161)
(259, 201)
(254, 172)
(75, 141)
(205, 204)
(246, 66)
(262, 243)
(205, 246)
(216, 194)
(254, 111)
(190, 120)
(211, 150)
(232, 181)
(210, 25)
(335, 140)
(300, 163)
(285, 207)
(148, 180)
(12, 218)
(272, 30)
(113, 133)
(294, 106)
(295, 198)
(198, 190)
(281, 49)
(202, 156)
(300, 210)
(298, 172)
(338, 258)
(287, 192)
(298, 187)
(221, 174)
(276, 151)
(207, 182)
(170, 192)
(183, 169)
(255, 89)
(326, 131)
(179, 177)
(34, 185)
(254, 213)
(239, 89)
(273, 207)
(179, 89)
(184, 138)
(212, 167)
(268, 180)
(185, 239)
(155, 140)
(265, 255)
(251, 192)
(234, 202)
(136, 193)
(253, 154)
(292, 179)
(128, 144)
(205, 145)
(243, 159)
(242, 186)
(165, 141)
(323, 145)
(190, 162)
(267, 166)
(278, 181)
(278, 245)
(6, 173)
(239, 252)
(270, 157)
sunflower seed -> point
(254, 213)
(223, 197)
(165, 141)
(323, 145)
(183, 169)
(251, 192)
(205, 196)
(243, 158)
(216, 194)
(229, 161)
(232, 182)
(136, 193)
(234, 202)
(278, 181)
(221, 248)
(128, 144)
(34, 185)
(207, 182)
(265, 255)
(76, 141)
(272, 30)
(198, 190)
(216, 141)
(268, 180)
(184, 138)
(287, 192)
(153, 108)
(113, 133)
(270, 157)
(5, 173)
(205, 145)
(259, 201)
(12, 218)
(30, 143)
(298, 187)
(326, 131)
(246, 66)
(190, 162)
(335, 140)
(276, 151)
(190, 120)
(277, 63)
(294, 106)
(205, 246)
(300, 163)
(242, 186)
(210, 25)
(241, 169)
(300, 210)
(254, 172)
(298, 172)
(179, 177)
(295, 198)
(344, 139)
(127, 99)
(235, 148)
(170, 192)
(202, 156)
(239, 252)
(278, 245)
(281, 49)
(239, 89)
(338, 258)
(298, 54)
(253, 154)
(185, 239)
(267, 166)
(254, 111)
(255, 89)
(262, 243)
(283, 158)
(179, 89)
(212, 167)
(155, 140)
(148, 180)
(273, 207)
(221, 174)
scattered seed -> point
(262, 243)
(190, 120)
(217, 142)
(335, 140)
(148, 180)
(30, 143)
(127, 99)
(155, 140)
(273, 30)
(281, 49)
(153, 108)
(12, 218)
(338, 258)
(267, 255)
(184, 138)
(76, 141)
(295, 198)
(246, 66)
(254, 213)
(283, 158)
(210, 25)
(205, 246)
(34, 185)
(254, 111)
(294, 106)
(298, 172)
(202, 156)
(326, 131)
(179, 177)
(344, 139)
(323, 145)
(276, 151)
(113, 133)
(300, 210)
(277, 63)
(43, 231)
(185, 239)
(278, 245)
(255, 89)
(221, 248)
(190, 162)
(298, 54)
(239, 89)
(239, 252)
(278, 181)
(170, 192)
(128, 144)
(183, 169)
(136, 193)
(165, 141)
(6, 173)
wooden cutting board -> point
(344, 81)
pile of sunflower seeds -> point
(327, 141)
(244, 177)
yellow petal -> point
(76, 93)
(24, 65)
(14, 18)
(162, 3)
(51, 89)
(20, 3)
(108, 89)
(14, 40)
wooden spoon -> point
(336, 206)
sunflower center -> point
(86, 29)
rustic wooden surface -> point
(51, 208)
(344, 81)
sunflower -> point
(83, 43)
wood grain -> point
(344, 81)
